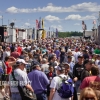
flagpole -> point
(8, 22)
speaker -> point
(2, 34)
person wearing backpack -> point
(70, 74)
(57, 83)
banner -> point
(43, 34)
(40, 23)
(37, 26)
(43, 23)
(56, 32)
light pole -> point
(8, 22)
(98, 27)
(2, 20)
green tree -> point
(69, 34)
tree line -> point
(69, 34)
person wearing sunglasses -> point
(88, 94)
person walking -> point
(39, 81)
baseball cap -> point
(65, 63)
(21, 61)
(60, 67)
(34, 63)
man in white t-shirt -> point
(22, 77)
(55, 84)
(6, 53)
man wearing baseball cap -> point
(77, 70)
(39, 81)
(22, 77)
(56, 81)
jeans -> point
(77, 85)
(41, 96)
(15, 96)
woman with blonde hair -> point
(88, 94)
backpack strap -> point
(15, 78)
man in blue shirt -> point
(39, 81)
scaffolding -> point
(98, 26)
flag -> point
(43, 34)
(43, 23)
(40, 22)
(37, 24)
(56, 32)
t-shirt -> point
(21, 76)
(9, 68)
(92, 81)
(57, 52)
(71, 66)
(76, 56)
(19, 50)
(15, 54)
(45, 68)
(84, 74)
(5, 54)
(36, 57)
(55, 83)
(97, 51)
(77, 70)
(97, 62)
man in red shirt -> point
(19, 49)
(9, 61)
(92, 81)
(15, 54)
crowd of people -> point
(53, 69)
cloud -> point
(12, 10)
(82, 7)
(59, 27)
(18, 10)
(79, 17)
(52, 18)
(27, 24)
(77, 24)
(50, 4)
(13, 20)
